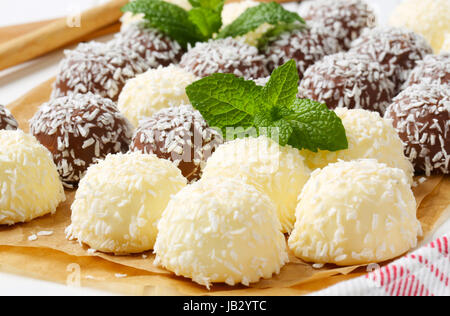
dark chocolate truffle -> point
(179, 134)
(350, 81)
(79, 130)
(225, 56)
(396, 49)
(344, 19)
(421, 116)
(304, 46)
(432, 69)
(156, 48)
(99, 68)
(7, 121)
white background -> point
(17, 81)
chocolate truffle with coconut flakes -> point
(156, 48)
(225, 56)
(99, 68)
(421, 115)
(432, 69)
(344, 19)
(7, 121)
(304, 46)
(79, 130)
(179, 134)
(350, 81)
(396, 49)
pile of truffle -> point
(152, 174)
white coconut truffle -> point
(231, 11)
(355, 212)
(427, 17)
(369, 137)
(120, 200)
(154, 90)
(446, 46)
(278, 171)
(29, 181)
(221, 230)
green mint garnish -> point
(186, 27)
(223, 98)
(204, 20)
(227, 101)
(207, 21)
(282, 88)
(168, 18)
(271, 13)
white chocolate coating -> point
(221, 230)
(120, 200)
(154, 90)
(446, 45)
(355, 212)
(369, 137)
(278, 171)
(29, 181)
(427, 17)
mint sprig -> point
(282, 88)
(168, 18)
(223, 99)
(271, 13)
(204, 20)
(227, 101)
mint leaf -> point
(225, 100)
(315, 127)
(207, 20)
(282, 88)
(272, 124)
(195, 3)
(271, 13)
(168, 18)
(216, 5)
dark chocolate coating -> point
(225, 56)
(156, 48)
(304, 46)
(344, 19)
(421, 116)
(79, 130)
(181, 135)
(432, 69)
(397, 50)
(99, 68)
(346, 80)
(7, 121)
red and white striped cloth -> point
(425, 272)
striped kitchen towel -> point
(425, 272)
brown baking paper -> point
(56, 259)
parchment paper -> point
(53, 257)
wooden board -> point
(9, 32)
